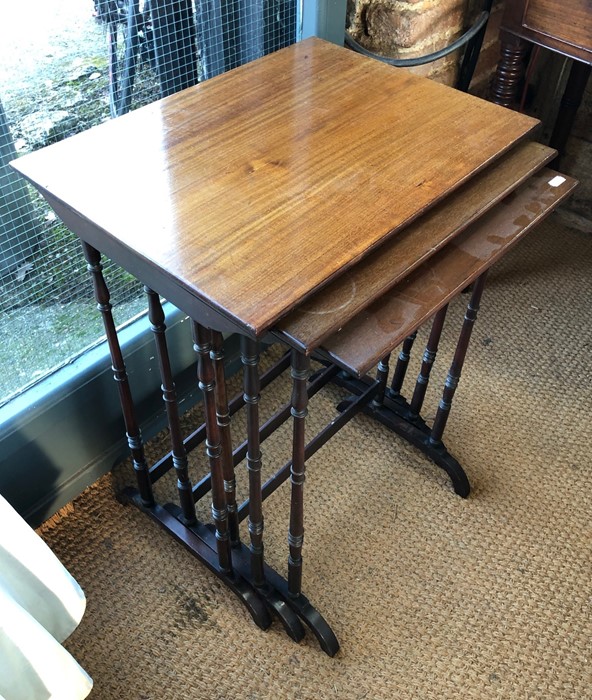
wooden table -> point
(563, 26)
(252, 202)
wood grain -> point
(383, 325)
(561, 25)
(254, 188)
(569, 21)
(334, 305)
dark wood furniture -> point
(319, 198)
(564, 27)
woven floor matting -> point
(430, 595)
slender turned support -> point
(205, 373)
(134, 437)
(457, 362)
(161, 467)
(510, 70)
(250, 360)
(429, 357)
(300, 372)
(381, 376)
(352, 408)
(402, 364)
(223, 419)
(169, 396)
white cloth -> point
(40, 605)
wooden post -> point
(205, 372)
(134, 437)
(250, 360)
(169, 396)
(429, 357)
(223, 419)
(300, 372)
(457, 362)
(510, 70)
(402, 364)
(381, 377)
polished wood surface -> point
(564, 26)
(334, 305)
(569, 20)
(382, 326)
(247, 192)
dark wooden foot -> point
(311, 617)
(241, 559)
(206, 551)
(289, 610)
(395, 413)
(287, 606)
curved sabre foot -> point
(192, 537)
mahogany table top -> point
(249, 191)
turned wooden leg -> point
(510, 70)
(169, 395)
(300, 372)
(570, 102)
(429, 357)
(250, 360)
(223, 419)
(134, 437)
(457, 362)
(205, 372)
(381, 377)
(402, 364)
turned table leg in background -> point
(510, 70)
(508, 82)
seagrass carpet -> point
(430, 595)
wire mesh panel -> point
(73, 64)
(183, 41)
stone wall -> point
(411, 28)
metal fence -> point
(89, 61)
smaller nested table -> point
(318, 198)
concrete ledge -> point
(59, 436)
